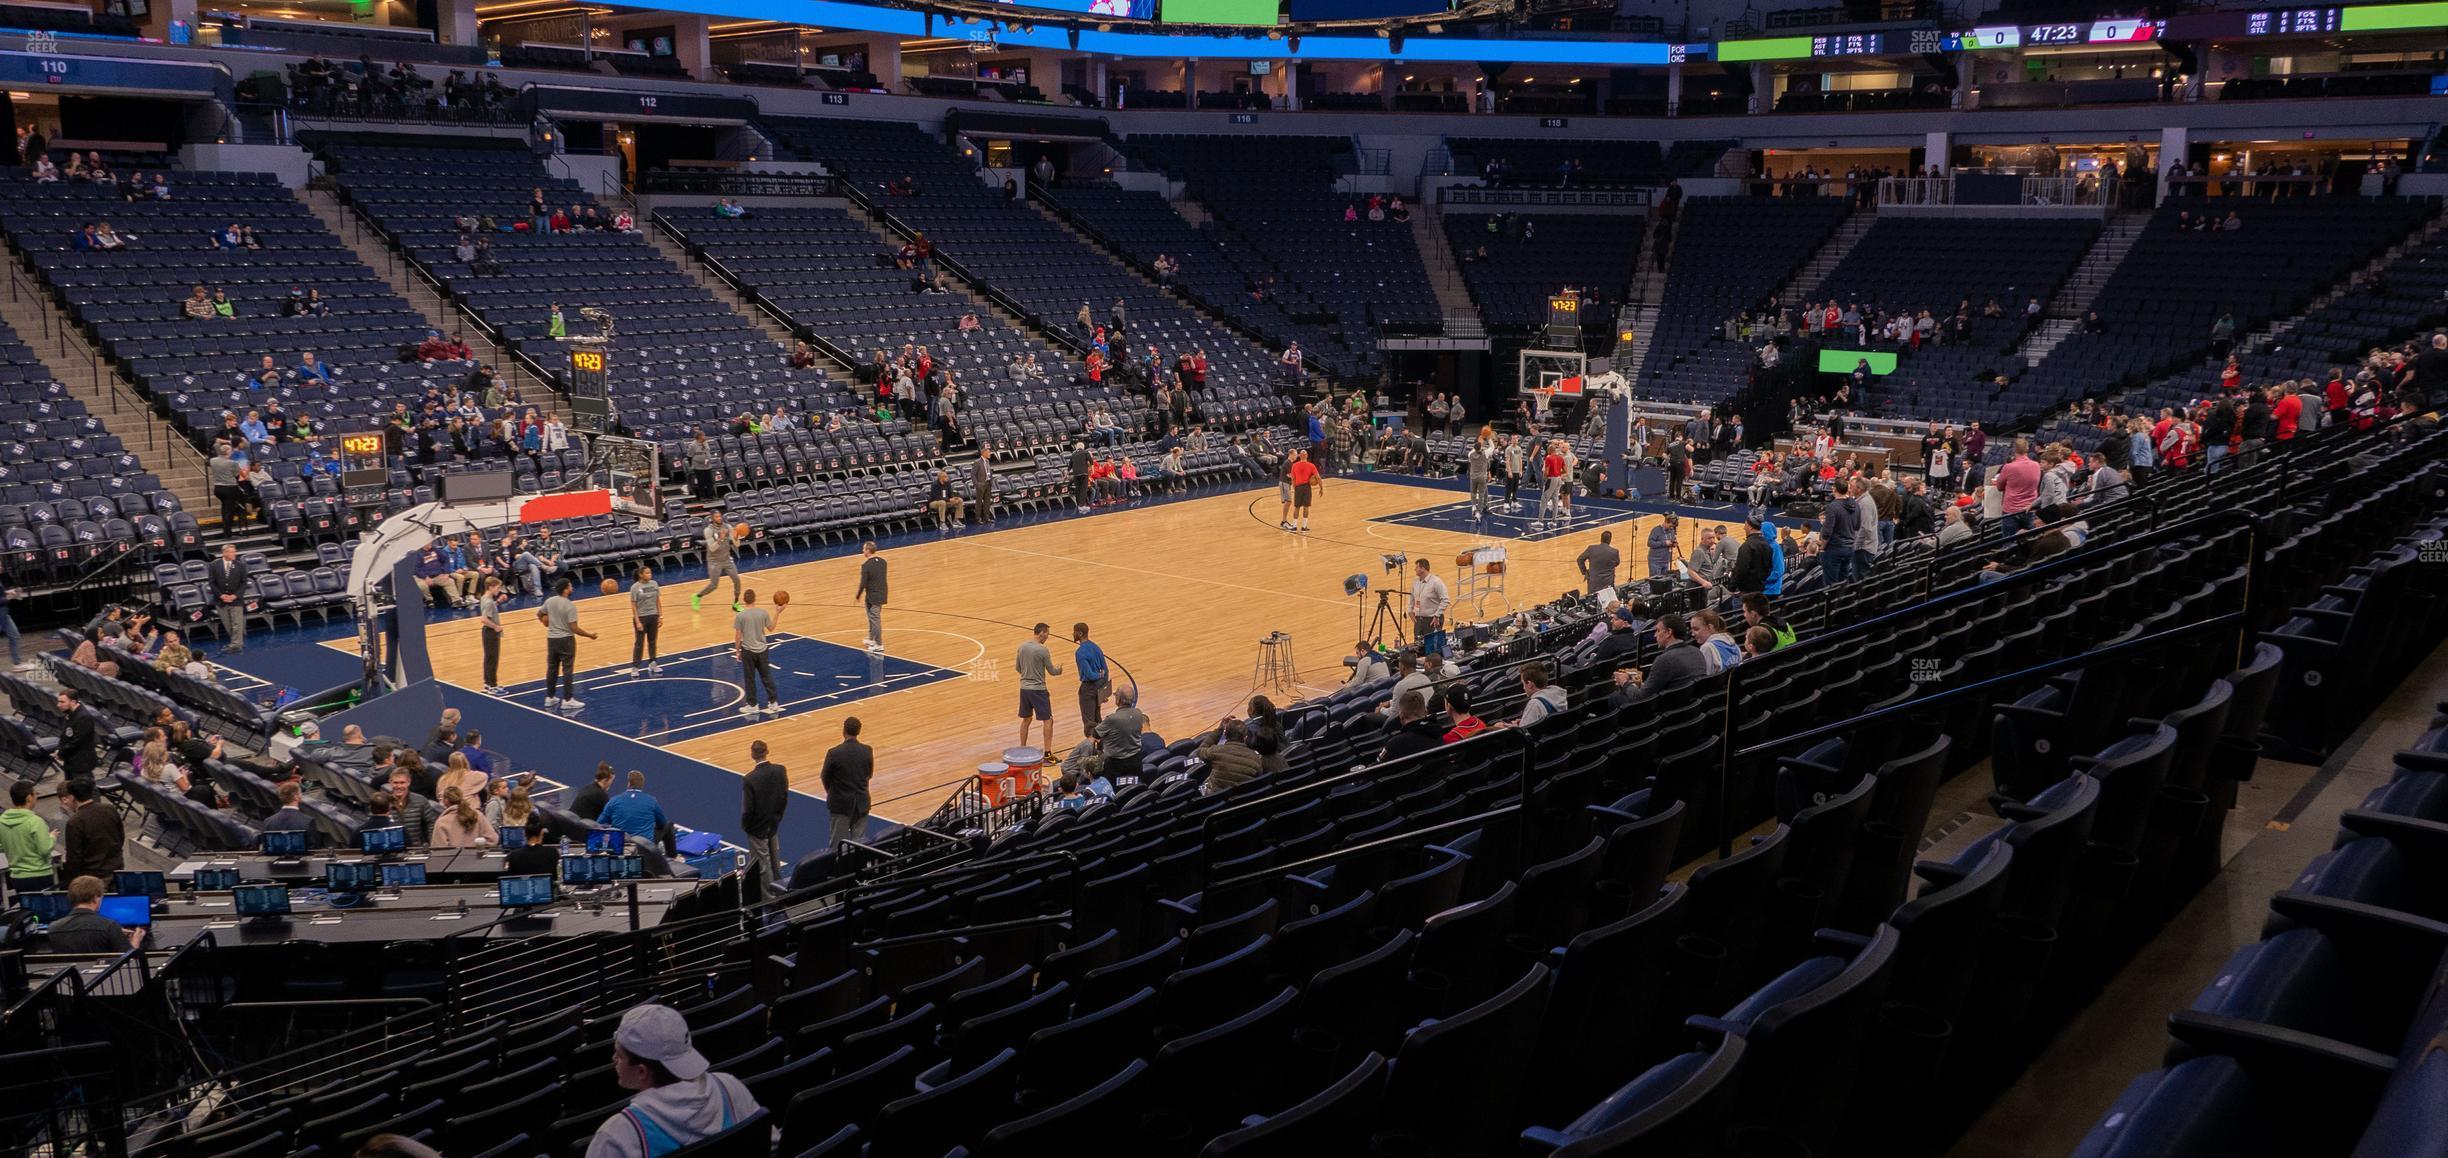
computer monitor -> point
(526, 892)
(261, 900)
(396, 876)
(608, 841)
(284, 842)
(585, 870)
(213, 880)
(377, 841)
(512, 836)
(352, 876)
(629, 868)
(135, 883)
(134, 912)
(46, 907)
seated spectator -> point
(44, 171)
(310, 368)
(222, 306)
(198, 304)
(106, 238)
(678, 1101)
(803, 357)
(1546, 699)
(1411, 731)
(634, 812)
(1458, 713)
(1230, 759)
(461, 824)
(461, 776)
(1679, 662)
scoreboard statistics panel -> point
(590, 399)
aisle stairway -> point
(1462, 320)
(2082, 287)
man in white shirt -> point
(1429, 599)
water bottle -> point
(565, 846)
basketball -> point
(611, 586)
(781, 598)
(739, 530)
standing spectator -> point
(93, 839)
(2018, 491)
(488, 614)
(26, 842)
(764, 797)
(8, 626)
(221, 473)
(462, 824)
(1664, 540)
(1839, 527)
(848, 767)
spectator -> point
(534, 858)
(1709, 629)
(2018, 490)
(410, 811)
(1230, 759)
(462, 824)
(1546, 699)
(764, 797)
(93, 838)
(636, 813)
(1411, 731)
(291, 815)
(198, 305)
(678, 1100)
(26, 842)
(1458, 714)
(591, 799)
(1118, 735)
(459, 775)
(85, 929)
(1679, 662)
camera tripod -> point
(1386, 618)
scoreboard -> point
(590, 395)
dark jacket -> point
(589, 802)
(1840, 523)
(1419, 735)
(289, 820)
(847, 769)
(871, 581)
(538, 859)
(84, 931)
(76, 751)
(227, 579)
(1229, 764)
(1681, 663)
(93, 842)
(764, 794)
(1751, 563)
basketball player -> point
(748, 630)
(1034, 664)
(1304, 475)
(1283, 487)
(1479, 480)
(1551, 484)
(718, 544)
(561, 632)
(645, 624)
(1513, 454)
(488, 611)
(871, 591)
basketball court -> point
(1178, 594)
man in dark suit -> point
(847, 769)
(77, 754)
(291, 816)
(871, 591)
(591, 799)
(94, 844)
(1597, 563)
(764, 796)
(225, 579)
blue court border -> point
(698, 693)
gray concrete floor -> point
(2123, 1032)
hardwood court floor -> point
(1178, 594)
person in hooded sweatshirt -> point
(1776, 560)
(677, 1102)
(26, 842)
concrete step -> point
(77, 365)
(675, 251)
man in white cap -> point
(678, 1102)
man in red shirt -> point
(1304, 480)
(2018, 485)
(2334, 396)
(1551, 492)
(2286, 412)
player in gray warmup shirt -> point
(646, 622)
(718, 545)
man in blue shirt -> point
(634, 812)
(1093, 684)
(309, 367)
